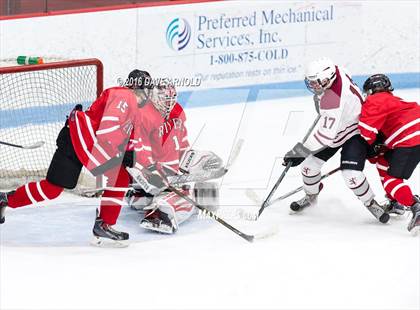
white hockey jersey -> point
(339, 108)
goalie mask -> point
(319, 75)
(163, 96)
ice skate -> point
(158, 221)
(394, 208)
(303, 203)
(3, 205)
(414, 224)
(105, 236)
(378, 211)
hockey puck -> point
(384, 218)
(294, 206)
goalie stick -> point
(288, 166)
(178, 180)
(26, 147)
(251, 194)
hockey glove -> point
(146, 179)
(296, 155)
(198, 162)
(128, 160)
(377, 148)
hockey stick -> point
(254, 196)
(289, 164)
(26, 147)
(178, 180)
(249, 238)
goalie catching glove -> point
(199, 162)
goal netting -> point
(34, 103)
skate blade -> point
(397, 217)
(108, 243)
(161, 229)
(298, 212)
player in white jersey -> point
(339, 103)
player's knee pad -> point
(207, 195)
(358, 183)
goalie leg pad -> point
(65, 167)
(207, 195)
(138, 199)
(172, 210)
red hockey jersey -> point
(398, 120)
(163, 141)
(102, 131)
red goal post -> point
(34, 103)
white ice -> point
(333, 256)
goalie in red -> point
(396, 124)
(165, 144)
(97, 139)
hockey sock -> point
(311, 174)
(113, 198)
(394, 187)
(398, 190)
(33, 193)
(357, 182)
(111, 203)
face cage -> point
(317, 86)
(165, 104)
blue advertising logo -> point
(178, 34)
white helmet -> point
(319, 75)
(163, 96)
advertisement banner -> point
(235, 43)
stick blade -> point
(248, 238)
(35, 145)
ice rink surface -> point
(332, 256)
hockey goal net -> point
(34, 103)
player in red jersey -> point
(96, 139)
(165, 144)
(398, 122)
